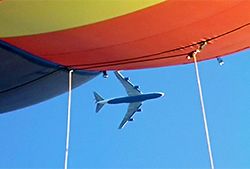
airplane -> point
(135, 98)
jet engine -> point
(131, 119)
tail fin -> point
(99, 105)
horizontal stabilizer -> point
(98, 97)
(99, 105)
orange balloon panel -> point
(160, 35)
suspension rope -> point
(68, 121)
(193, 55)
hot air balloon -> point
(41, 40)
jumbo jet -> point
(135, 98)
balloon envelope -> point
(51, 36)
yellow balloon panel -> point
(27, 17)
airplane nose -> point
(161, 94)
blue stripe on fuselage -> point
(132, 99)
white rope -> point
(203, 113)
(68, 121)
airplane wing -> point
(130, 88)
(132, 108)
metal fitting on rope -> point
(220, 61)
(105, 74)
(194, 53)
(202, 45)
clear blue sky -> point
(168, 133)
